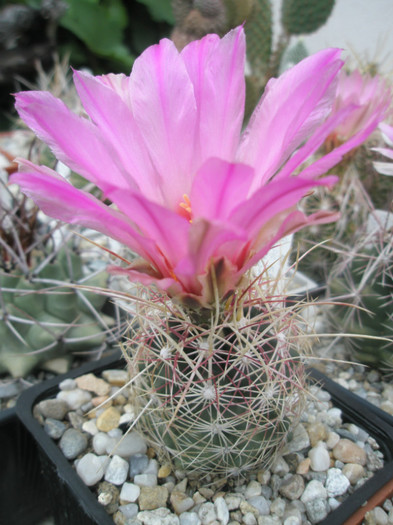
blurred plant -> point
(43, 314)
(359, 190)
(364, 279)
(201, 202)
(196, 18)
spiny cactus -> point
(221, 394)
(364, 279)
(196, 18)
(42, 317)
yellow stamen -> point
(186, 206)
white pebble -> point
(249, 519)
(90, 469)
(221, 510)
(129, 492)
(333, 417)
(100, 442)
(320, 459)
(189, 518)
(74, 398)
(332, 439)
(314, 490)
(117, 470)
(145, 480)
(336, 483)
(126, 445)
(253, 489)
(161, 516)
(67, 384)
(261, 504)
(152, 467)
(207, 513)
(90, 427)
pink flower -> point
(198, 199)
(371, 95)
(386, 168)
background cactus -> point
(196, 18)
(42, 314)
(220, 394)
(301, 17)
(365, 280)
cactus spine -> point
(218, 395)
(365, 280)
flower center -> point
(185, 206)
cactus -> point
(301, 17)
(367, 284)
(41, 316)
(217, 391)
(196, 18)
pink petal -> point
(120, 84)
(271, 200)
(216, 70)
(218, 187)
(313, 143)
(207, 240)
(164, 108)
(324, 164)
(116, 122)
(285, 226)
(290, 110)
(74, 140)
(167, 229)
(166, 284)
(60, 200)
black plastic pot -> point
(74, 503)
(22, 500)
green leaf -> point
(160, 11)
(100, 25)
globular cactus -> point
(42, 314)
(221, 392)
(364, 279)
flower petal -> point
(291, 108)
(168, 230)
(279, 229)
(115, 120)
(271, 200)
(164, 108)
(218, 187)
(216, 70)
(74, 140)
(60, 200)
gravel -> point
(325, 461)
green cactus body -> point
(44, 318)
(218, 398)
(300, 17)
(259, 33)
(367, 284)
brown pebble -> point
(108, 420)
(151, 453)
(304, 466)
(99, 400)
(91, 383)
(164, 471)
(317, 432)
(348, 452)
(152, 498)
